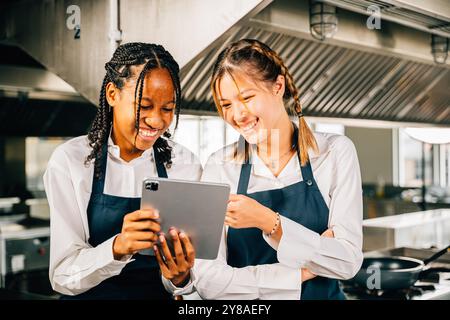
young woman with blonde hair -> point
(293, 225)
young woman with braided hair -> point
(294, 220)
(93, 183)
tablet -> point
(198, 208)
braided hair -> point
(118, 70)
(260, 62)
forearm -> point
(82, 268)
(331, 257)
(270, 223)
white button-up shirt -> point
(76, 266)
(336, 171)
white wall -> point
(375, 152)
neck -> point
(279, 140)
(128, 151)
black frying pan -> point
(395, 272)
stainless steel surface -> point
(292, 18)
(420, 229)
(431, 16)
(185, 28)
(24, 247)
(420, 254)
(13, 218)
(39, 208)
(341, 82)
(360, 73)
(40, 28)
(7, 204)
(39, 83)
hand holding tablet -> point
(197, 208)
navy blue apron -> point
(139, 279)
(301, 202)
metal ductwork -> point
(47, 30)
(341, 82)
(431, 16)
(386, 74)
(35, 102)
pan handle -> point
(436, 255)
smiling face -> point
(254, 109)
(156, 113)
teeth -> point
(148, 133)
(250, 126)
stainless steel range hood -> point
(386, 74)
(185, 28)
(34, 101)
(432, 16)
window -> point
(445, 158)
(410, 162)
(204, 135)
(38, 152)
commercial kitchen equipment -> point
(24, 255)
(422, 229)
(434, 284)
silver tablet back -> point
(198, 208)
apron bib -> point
(139, 279)
(301, 202)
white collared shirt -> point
(76, 266)
(337, 173)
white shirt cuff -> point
(279, 282)
(105, 258)
(270, 241)
(298, 244)
(177, 291)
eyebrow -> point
(150, 100)
(241, 93)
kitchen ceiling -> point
(340, 82)
(431, 16)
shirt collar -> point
(322, 144)
(259, 168)
(114, 150)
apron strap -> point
(98, 184)
(160, 167)
(307, 173)
(246, 168)
(244, 178)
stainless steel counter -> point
(422, 229)
(24, 255)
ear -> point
(279, 86)
(112, 94)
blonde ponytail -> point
(306, 139)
